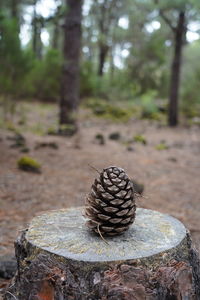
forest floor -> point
(171, 176)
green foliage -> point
(14, 61)
(149, 108)
(99, 107)
(195, 121)
(92, 85)
(190, 104)
(161, 146)
(67, 129)
(119, 87)
(140, 139)
(149, 61)
(37, 128)
(118, 114)
(52, 131)
(175, 4)
(29, 164)
(10, 126)
(139, 78)
(88, 79)
(43, 81)
(122, 87)
(110, 111)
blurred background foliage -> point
(127, 49)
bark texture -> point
(56, 31)
(14, 9)
(8, 266)
(37, 25)
(103, 50)
(179, 38)
(44, 275)
(70, 79)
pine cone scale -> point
(127, 204)
(125, 221)
(111, 209)
(117, 202)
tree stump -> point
(59, 258)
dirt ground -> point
(171, 177)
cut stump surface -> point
(59, 258)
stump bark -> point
(59, 258)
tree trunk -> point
(37, 25)
(103, 50)
(36, 33)
(56, 27)
(104, 26)
(60, 259)
(176, 70)
(70, 79)
(14, 9)
(112, 64)
(15, 14)
(39, 40)
(34, 37)
(56, 33)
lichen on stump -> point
(60, 259)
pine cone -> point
(110, 206)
